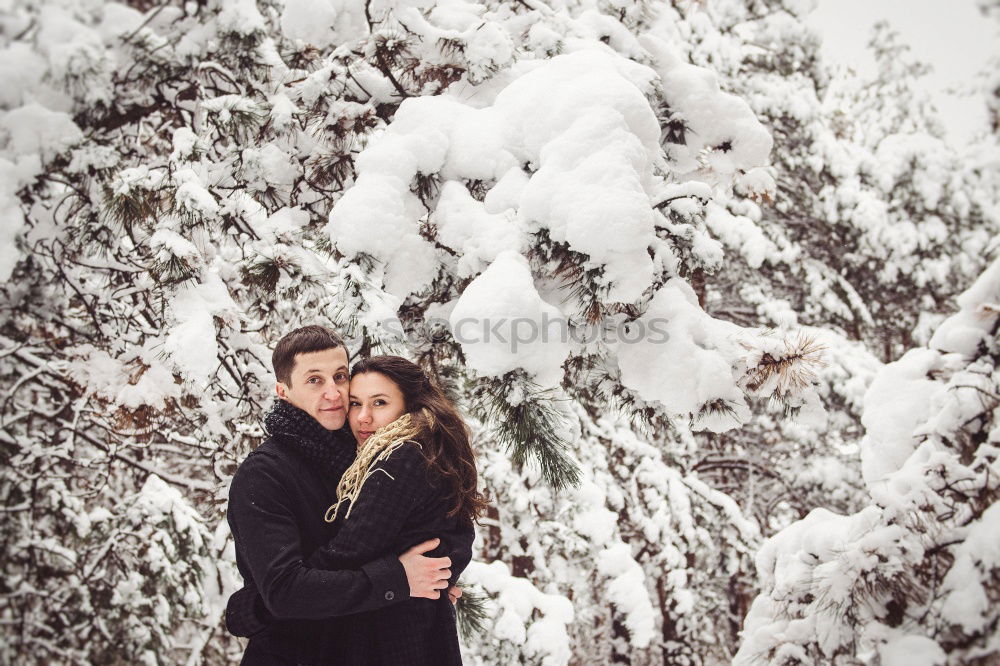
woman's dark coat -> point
(401, 505)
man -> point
(277, 504)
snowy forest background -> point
(804, 471)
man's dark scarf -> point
(294, 428)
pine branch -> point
(129, 207)
(388, 48)
(426, 187)
(171, 269)
(180, 481)
(718, 407)
(787, 373)
(569, 267)
(471, 613)
(263, 274)
(327, 168)
(527, 424)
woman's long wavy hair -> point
(445, 442)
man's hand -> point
(427, 576)
(454, 592)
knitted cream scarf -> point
(378, 447)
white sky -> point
(950, 35)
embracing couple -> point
(350, 539)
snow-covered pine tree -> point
(168, 171)
(913, 578)
(923, 209)
(991, 9)
(126, 584)
(126, 356)
(776, 467)
(492, 203)
(861, 172)
(866, 185)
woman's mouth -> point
(365, 434)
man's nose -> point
(332, 394)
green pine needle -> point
(471, 612)
(130, 209)
(528, 428)
(262, 274)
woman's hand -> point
(454, 592)
(426, 576)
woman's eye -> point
(379, 402)
(353, 403)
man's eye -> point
(340, 377)
(313, 380)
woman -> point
(414, 479)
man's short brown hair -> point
(303, 340)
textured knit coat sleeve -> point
(264, 528)
(398, 507)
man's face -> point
(319, 386)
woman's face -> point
(374, 401)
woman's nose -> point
(364, 415)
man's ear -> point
(281, 390)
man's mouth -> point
(332, 409)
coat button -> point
(389, 596)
